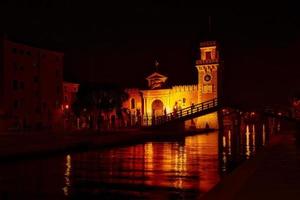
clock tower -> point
(208, 71)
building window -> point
(28, 53)
(15, 85)
(132, 104)
(15, 66)
(57, 104)
(14, 50)
(16, 104)
(37, 93)
(36, 79)
(38, 110)
(57, 73)
(57, 90)
(44, 105)
(21, 103)
(207, 89)
(21, 85)
(208, 55)
(36, 65)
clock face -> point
(207, 77)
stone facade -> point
(31, 91)
(159, 100)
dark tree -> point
(99, 98)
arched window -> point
(132, 104)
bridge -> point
(204, 108)
(187, 113)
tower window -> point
(183, 100)
(21, 85)
(36, 79)
(15, 85)
(16, 104)
(132, 104)
(208, 55)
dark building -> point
(31, 81)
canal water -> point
(183, 168)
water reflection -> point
(66, 188)
(32, 179)
(241, 142)
(178, 169)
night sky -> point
(119, 42)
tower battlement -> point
(208, 43)
(185, 88)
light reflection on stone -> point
(253, 137)
(248, 152)
(229, 142)
(264, 135)
(67, 176)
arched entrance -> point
(157, 108)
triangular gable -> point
(156, 80)
(156, 75)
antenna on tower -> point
(156, 65)
(209, 24)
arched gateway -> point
(157, 108)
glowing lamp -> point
(67, 106)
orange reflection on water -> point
(253, 136)
(204, 148)
(247, 142)
(183, 164)
(67, 174)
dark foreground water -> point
(175, 169)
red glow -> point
(67, 106)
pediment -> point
(156, 75)
(156, 80)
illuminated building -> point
(69, 91)
(159, 100)
(30, 86)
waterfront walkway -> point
(273, 174)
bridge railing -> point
(184, 112)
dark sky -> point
(118, 41)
